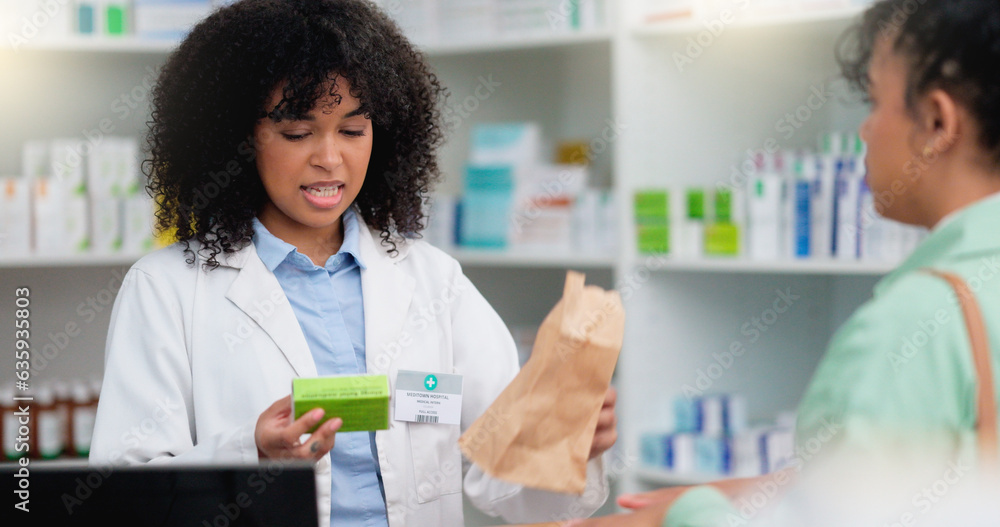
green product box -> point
(722, 239)
(362, 401)
(651, 221)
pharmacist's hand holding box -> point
(322, 406)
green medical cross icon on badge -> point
(430, 382)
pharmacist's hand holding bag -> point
(540, 430)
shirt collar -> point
(273, 250)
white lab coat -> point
(193, 357)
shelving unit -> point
(678, 127)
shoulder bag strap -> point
(986, 403)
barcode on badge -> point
(427, 418)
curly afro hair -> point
(953, 45)
(214, 88)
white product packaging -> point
(15, 217)
(68, 165)
(542, 217)
(849, 183)
(779, 448)
(60, 219)
(681, 453)
(106, 225)
(113, 167)
(440, 229)
(587, 218)
(27, 22)
(167, 19)
(764, 211)
(822, 207)
(137, 224)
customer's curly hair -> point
(213, 90)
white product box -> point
(106, 225)
(167, 19)
(68, 165)
(113, 167)
(60, 219)
(15, 217)
(137, 224)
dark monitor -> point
(271, 494)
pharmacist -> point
(297, 258)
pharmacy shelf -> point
(664, 478)
(76, 260)
(739, 265)
(78, 462)
(531, 258)
(124, 44)
(131, 44)
(515, 42)
(690, 26)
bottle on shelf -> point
(84, 414)
(51, 424)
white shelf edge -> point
(62, 462)
(670, 479)
(132, 44)
(738, 265)
(691, 26)
(124, 44)
(524, 258)
(75, 260)
(514, 42)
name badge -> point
(424, 397)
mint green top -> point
(899, 374)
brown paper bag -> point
(539, 430)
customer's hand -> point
(277, 435)
(607, 431)
(666, 495)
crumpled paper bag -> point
(551, 407)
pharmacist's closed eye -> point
(294, 137)
(354, 133)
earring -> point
(928, 150)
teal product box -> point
(362, 401)
(486, 206)
(653, 450)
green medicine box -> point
(362, 401)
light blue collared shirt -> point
(328, 305)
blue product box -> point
(489, 195)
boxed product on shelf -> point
(137, 224)
(652, 221)
(595, 222)
(457, 21)
(59, 219)
(67, 164)
(26, 21)
(113, 167)
(486, 206)
(106, 225)
(102, 17)
(796, 204)
(542, 213)
(167, 19)
(711, 437)
(15, 217)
